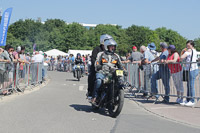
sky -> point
(179, 15)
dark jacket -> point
(78, 61)
(95, 52)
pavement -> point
(171, 111)
(61, 107)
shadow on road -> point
(71, 80)
(88, 109)
(143, 100)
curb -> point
(28, 90)
(163, 116)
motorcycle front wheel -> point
(78, 75)
(116, 107)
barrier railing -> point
(158, 80)
(17, 77)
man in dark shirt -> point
(92, 74)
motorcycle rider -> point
(91, 76)
(106, 62)
(78, 61)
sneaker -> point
(179, 100)
(183, 103)
(190, 104)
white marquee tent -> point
(82, 52)
(55, 52)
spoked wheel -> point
(116, 107)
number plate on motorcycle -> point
(119, 72)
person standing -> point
(176, 71)
(36, 59)
(163, 73)
(135, 56)
(190, 54)
(147, 68)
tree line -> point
(56, 33)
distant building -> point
(88, 26)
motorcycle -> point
(78, 72)
(111, 93)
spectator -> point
(135, 56)
(10, 66)
(72, 59)
(128, 55)
(163, 73)
(191, 56)
(38, 58)
(152, 48)
(4, 76)
(52, 62)
(176, 71)
(46, 62)
(28, 58)
(147, 58)
(21, 58)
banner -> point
(34, 47)
(4, 26)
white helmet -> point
(18, 48)
(104, 37)
(109, 42)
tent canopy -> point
(82, 52)
(55, 52)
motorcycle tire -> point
(78, 75)
(113, 110)
(95, 107)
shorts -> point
(4, 76)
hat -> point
(171, 47)
(40, 52)
(28, 53)
(134, 47)
(163, 45)
(152, 46)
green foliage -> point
(171, 37)
(197, 44)
(55, 33)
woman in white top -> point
(188, 54)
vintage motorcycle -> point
(111, 93)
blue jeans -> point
(98, 82)
(190, 85)
(81, 66)
(165, 76)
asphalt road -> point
(61, 107)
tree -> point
(140, 35)
(171, 37)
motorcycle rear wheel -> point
(115, 109)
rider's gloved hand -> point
(125, 73)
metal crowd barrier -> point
(17, 77)
(140, 80)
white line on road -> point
(81, 88)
